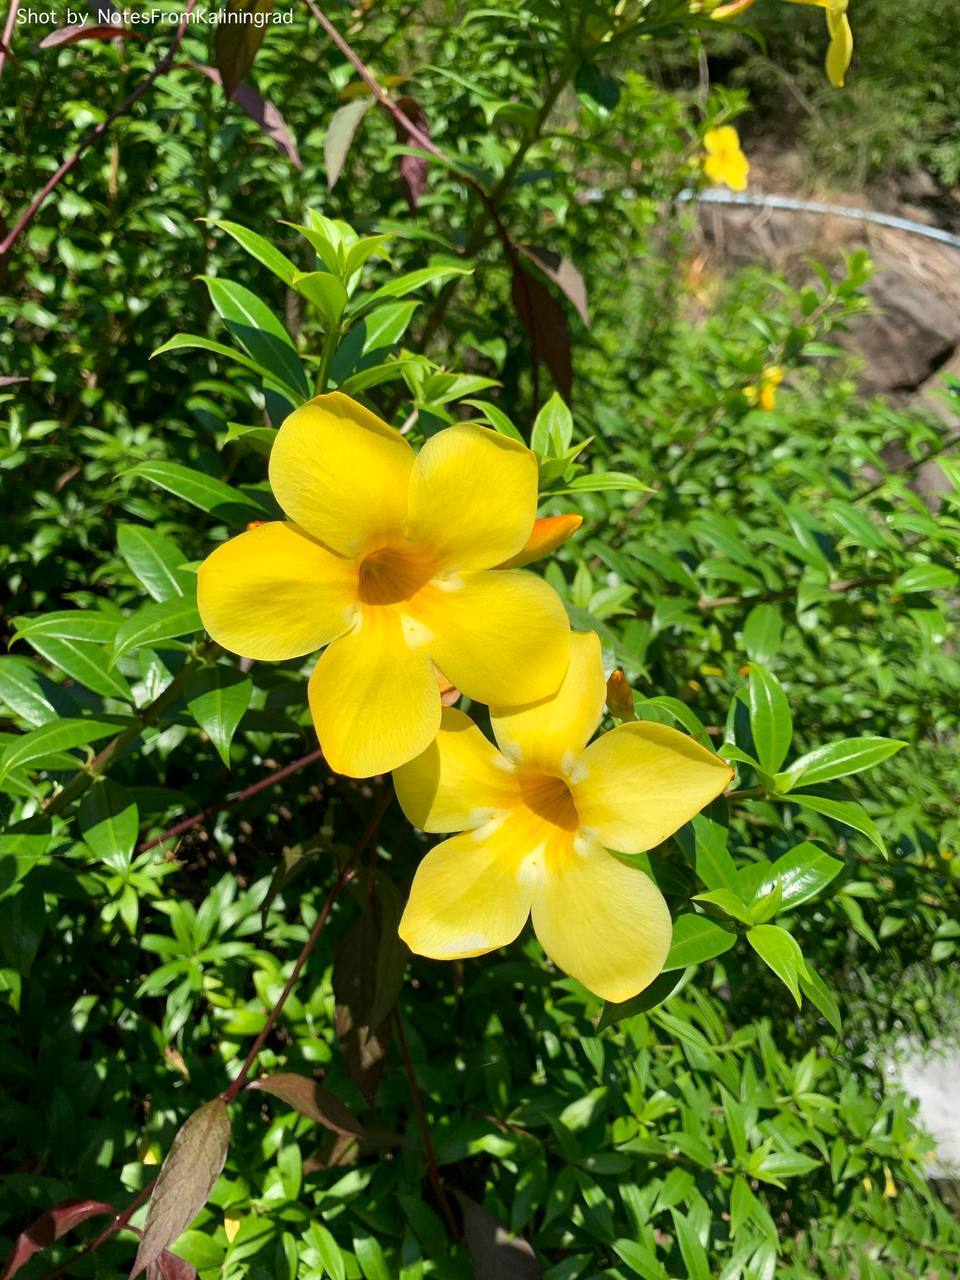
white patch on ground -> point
(934, 1080)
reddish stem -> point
(187, 824)
(10, 23)
(343, 879)
(59, 174)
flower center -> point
(391, 574)
(548, 796)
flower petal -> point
(473, 497)
(342, 473)
(604, 923)
(548, 533)
(500, 635)
(554, 731)
(374, 697)
(459, 783)
(840, 52)
(641, 782)
(274, 593)
(466, 898)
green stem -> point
(331, 340)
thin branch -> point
(344, 877)
(95, 133)
(238, 797)
(433, 1168)
(10, 23)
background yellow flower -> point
(724, 161)
(541, 820)
(388, 559)
(840, 50)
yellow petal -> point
(554, 731)
(604, 923)
(275, 593)
(641, 782)
(473, 497)
(466, 898)
(459, 783)
(499, 635)
(840, 52)
(721, 141)
(549, 532)
(374, 698)
(342, 473)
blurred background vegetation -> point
(725, 1132)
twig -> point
(343, 879)
(433, 1168)
(116, 1224)
(910, 467)
(238, 797)
(96, 132)
(10, 23)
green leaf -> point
(325, 292)
(49, 739)
(781, 952)
(369, 1254)
(803, 872)
(386, 325)
(154, 623)
(639, 1259)
(155, 561)
(109, 821)
(922, 578)
(86, 663)
(22, 921)
(771, 723)
(553, 429)
(697, 938)
(820, 995)
(763, 633)
(659, 990)
(218, 699)
(405, 284)
(258, 248)
(330, 1254)
(259, 332)
(729, 902)
(22, 691)
(838, 760)
(712, 859)
(69, 624)
(193, 341)
(845, 811)
(203, 491)
(603, 482)
(691, 1250)
(497, 418)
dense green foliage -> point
(761, 575)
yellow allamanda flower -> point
(840, 51)
(764, 393)
(389, 558)
(724, 161)
(540, 822)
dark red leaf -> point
(367, 976)
(50, 1226)
(87, 31)
(169, 1267)
(311, 1099)
(563, 274)
(235, 45)
(494, 1252)
(340, 133)
(186, 1179)
(413, 169)
(543, 318)
(261, 111)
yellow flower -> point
(724, 161)
(840, 52)
(388, 558)
(541, 821)
(765, 394)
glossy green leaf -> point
(781, 952)
(838, 760)
(155, 561)
(771, 722)
(218, 698)
(203, 491)
(49, 739)
(155, 623)
(697, 938)
(843, 811)
(109, 821)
